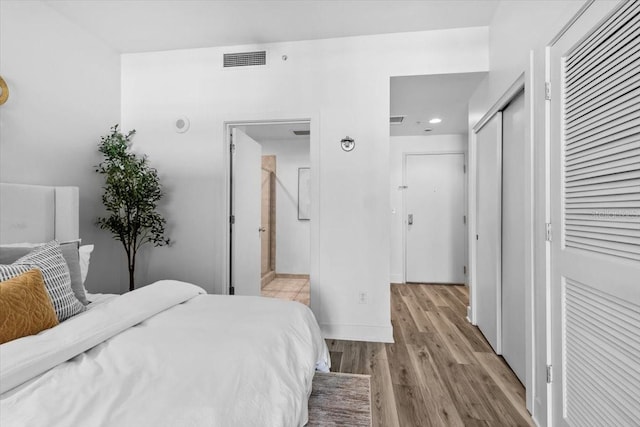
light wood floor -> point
(292, 289)
(440, 371)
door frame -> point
(244, 119)
(404, 204)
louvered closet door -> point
(595, 189)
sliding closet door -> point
(513, 236)
(595, 152)
(488, 226)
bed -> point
(167, 354)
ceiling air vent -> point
(302, 132)
(245, 59)
(396, 120)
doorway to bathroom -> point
(270, 210)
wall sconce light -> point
(347, 143)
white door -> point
(488, 226)
(245, 235)
(595, 213)
(435, 247)
(513, 236)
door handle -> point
(410, 219)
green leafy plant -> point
(132, 191)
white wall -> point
(518, 33)
(400, 145)
(343, 86)
(293, 236)
(64, 94)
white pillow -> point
(85, 257)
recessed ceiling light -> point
(435, 120)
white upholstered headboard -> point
(38, 213)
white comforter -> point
(166, 355)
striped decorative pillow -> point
(49, 259)
(10, 271)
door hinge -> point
(464, 168)
(464, 219)
(548, 232)
(547, 91)
(549, 374)
(232, 219)
(464, 269)
(232, 147)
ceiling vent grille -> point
(302, 132)
(245, 59)
(396, 120)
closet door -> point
(488, 226)
(513, 236)
(595, 181)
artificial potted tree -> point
(132, 191)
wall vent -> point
(245, 59)
(302, 132)
(396, 120)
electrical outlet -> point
(363, 298)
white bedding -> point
(166, 355)
(97, 299)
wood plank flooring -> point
(440, 371)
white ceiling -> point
(421, 98)
(152, 25)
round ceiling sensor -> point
(181, 124)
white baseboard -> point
(396, 278)
(357, 332)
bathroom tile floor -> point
(292, 289)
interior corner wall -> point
(293, 236)
(343, 85)
(401, 145)
(64, 93)
(519, 29)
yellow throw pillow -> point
(25, 306)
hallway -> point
(440, 371)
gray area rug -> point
(340, 400)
